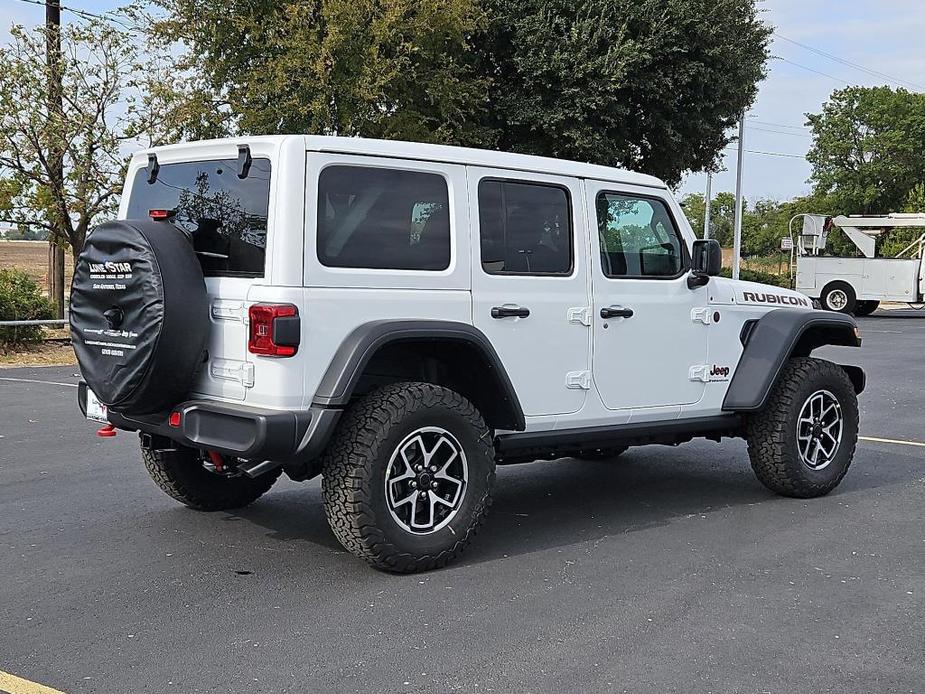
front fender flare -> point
(778, 336)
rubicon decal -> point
(778, 299)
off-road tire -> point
(355, 465)
(186, 480)
(772, 433)
(865, 308)
(833, 289)
(601, 453)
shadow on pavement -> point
(543, 505)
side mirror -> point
(706, 262)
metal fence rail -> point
(24, 323)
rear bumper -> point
(253, 433)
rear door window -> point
(383, 219)
(525, 228)
(226, 216)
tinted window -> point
(383, 218)
(525, 228)
(225, 215)
(638, 237)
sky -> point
(884, 36)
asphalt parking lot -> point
(669, 570)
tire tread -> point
(347, 481)
(202, 490)
(768, 432)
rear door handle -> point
(509, 312)
(616, 312)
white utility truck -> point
(858, 285)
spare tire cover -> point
(139, 315)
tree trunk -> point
(56, 154)
(59, 280)
(50, 270)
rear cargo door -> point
(225, 214)
(226, 372)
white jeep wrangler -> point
(399, 318)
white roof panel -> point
(477, 157)
(416, 150)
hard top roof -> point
(425, 152)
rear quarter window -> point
(226, 216)
(383, 219)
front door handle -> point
(509, 312)
(616, 312)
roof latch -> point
(153, 168)
(244, 161)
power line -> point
(85, 14)
(781, 125)
(856, 66)
(768, 154)
(809, 69)
(781, 132)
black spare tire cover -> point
(139, 315)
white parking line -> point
(900, 442)
(32, 380)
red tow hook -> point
(107, 431)
(217, 461)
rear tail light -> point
(161, 215)
(274, 330)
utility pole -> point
(54, 117)
(737, 233)
(706, 206)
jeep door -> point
(530, 292)
(650, 331)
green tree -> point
(21, 299)
(651, 85)
(113, 99)
(648, 84)
(915, 200)
(26, 233)
(896, 240)
(378, 68)
(869, 148)
(694, 209)
(722, 215)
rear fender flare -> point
(358, 348)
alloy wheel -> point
(819, 429)
(426, 480)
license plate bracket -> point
(96, 411)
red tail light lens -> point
(161, 215)
(274, 330)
